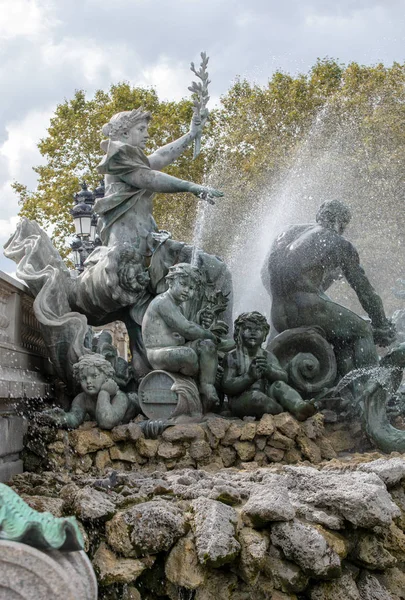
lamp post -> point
(85, 221)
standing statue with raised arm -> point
(132, 179)
(302, 264)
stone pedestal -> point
(29, 574)
(24, 366)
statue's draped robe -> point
(46, 275)
(121, 197)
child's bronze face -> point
(91, 380)
(252, 335)
(182, 288)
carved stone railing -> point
(24, 368)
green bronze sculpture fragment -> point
(20, 523)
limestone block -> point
(267, 503)
(370, 553)
(253, 553)
(112, 569)
(261, 442)
(233, 434)
(287, 425)
(227, 493)
(304, 545)
(245, 450)
(185, 432)
(287, 576)
(360, 498)
(343, 588)
(169, 450)
(326, 448)
(265, 426)
(292, 456)
(394, 581)
(219, 586)
(125, 452)
(391, 471)
(200, 450)
(341, 440)
(90, 440)
(274, 454)
(44, 504)
(278, 440)
(182, 567)
(309, 449)
(214, 527)
(228, 455)
(102, 460)
(130, 431)
(248, 432)
(371, 589)
(147, 528)
(131, 593)
(147, 448)
(313, 427)
(90, 504)
(218, 427)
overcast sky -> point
(50, 48)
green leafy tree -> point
(72, 152)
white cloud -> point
(25, 18)
(170, 80)
(20, 148)
(7, 228)
(93, 63)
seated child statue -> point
(253, 379)
(100, 398)
(173, 343)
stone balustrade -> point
(24, 367)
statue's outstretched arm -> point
(368, 297)
(73, 418)
(167, 154)
(155, 181)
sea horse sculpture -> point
(375, 397)
(20, 523)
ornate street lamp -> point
(76, 245)
(82, 212)
(85, 221)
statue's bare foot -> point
(305, 410)
(209, 396)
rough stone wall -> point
(216, 443)
(282, 532)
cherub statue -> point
(253, 379)
(100, 398)
(174, 343)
